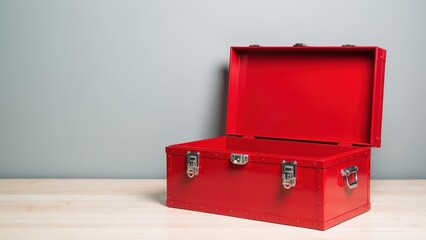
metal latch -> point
(289, 174)
(192, 163)
(347, 172)
(239, 159)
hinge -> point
(300, 45)
(248, 137)
(345, 144)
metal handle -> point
(349, 171)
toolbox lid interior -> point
(319, 94)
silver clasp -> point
(239, 159)
(192, 164)
(289, 174)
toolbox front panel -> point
(319, 199)
(251, 191)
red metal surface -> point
(306, 153)
(318, 106)
(323, 94)
(319, 200)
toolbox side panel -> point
(342, 202)
(252, 191)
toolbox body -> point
(301, 122)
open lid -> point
(319, 94)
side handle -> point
(347, 172)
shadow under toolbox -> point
(300, 125)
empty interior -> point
(313, 94)
(266, 146)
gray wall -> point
(96, 89)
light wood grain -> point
(135, 209)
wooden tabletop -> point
(135, 209)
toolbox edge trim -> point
(252, 215)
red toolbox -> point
(300, 124)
